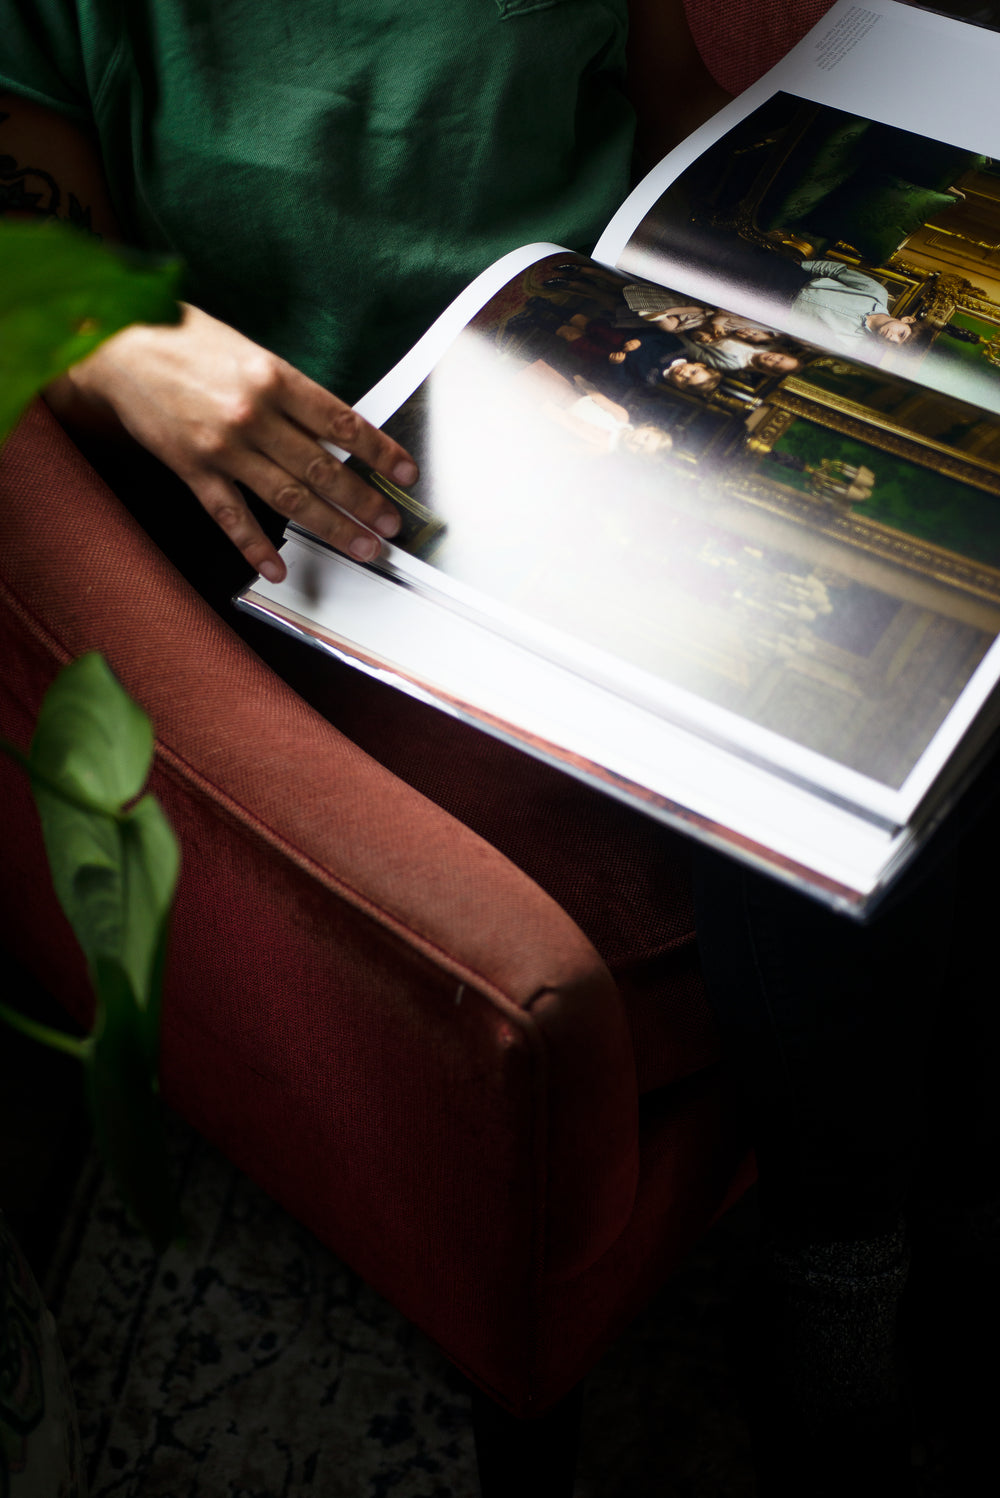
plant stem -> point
(57, 1039)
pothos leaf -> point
(114, 867)
(91, 738)
(62, 293)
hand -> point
(217, 408)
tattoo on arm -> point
(33, 191)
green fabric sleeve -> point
(41, 56)
(333, 172)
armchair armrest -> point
(370, 1008)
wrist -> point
(78, 402)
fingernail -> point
(387, 524)
(365, 548)
(273, 571)
(405, 473)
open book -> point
(712, 520)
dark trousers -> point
(867, 1054)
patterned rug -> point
(252, 1363)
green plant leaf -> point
(114, 867)
(91, 739)
(62, 293)
(115, 880)
(150, 863)
(85, 860)
(125, 1104)
(114, 870)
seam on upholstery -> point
(186, 774)
(34, 625)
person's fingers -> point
(329, 418)
(230, 511)
(220, 410)
(302, 459)
(293, 499)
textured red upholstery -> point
(740, 39)
(621, 876)
(368, 1006)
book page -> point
(851, 198)
(788, 552)
(479, 675)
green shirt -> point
(334, 171)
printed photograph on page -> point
(804, 540)
(873, 241)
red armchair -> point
(396, 1026)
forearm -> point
(51, 168)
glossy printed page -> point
(466, 667)
(790, 551)
(851, 197)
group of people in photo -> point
(610, 358)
